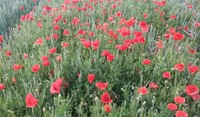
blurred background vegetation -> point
(10, 14)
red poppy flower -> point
(1, 39)
(48, 38)
(171, 30)
(142, 90)
(52, 50)
(65, 44)
(56, 27)
(179, 100)
(101, 85)
(8, 53)
(172, 106)
(137, 33)
(159, 44)
(91, 78)
(78, 74)
(86, 44)
(146, 62)
(160, 3)
(191, 90)
(19, 27)
(38, 41)
(114, 6)
(14, 80)
(56, 86)
(105, 53)
(145, 29)
(118, 14)
(178, 36)
(46, 63)
(130, 22)
(192, 69)
(145, 15)
(35, 68)
(58, 18)
(16, 67)
(75, 21)
(122, 47)
(196, 97)
(31, 101)
(59, 58)
(65, 32)
(111, 18)
(153, 85)
(81, 32)
(55, 36)
(95, 44)
(44, 58)
(110, 57)
(196, 24)
(107, 108)
(179, 66)
(167, 75)
(181, 113)
(173, 16)
(25, 55)
(91, 33)
(2, 86)
(105, 98)
(112, 34)
(139, 40)
(192, 51)
(39, 24)
(143, 24)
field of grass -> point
(102, 58)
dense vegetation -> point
(96, 58)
